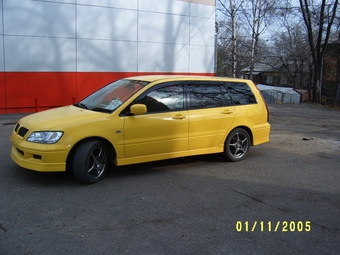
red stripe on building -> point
(30, 91)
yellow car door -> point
(211, 114)
(163, 129)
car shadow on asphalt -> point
(159, 166)
(117, 172)
(114, 172)
(45, 179)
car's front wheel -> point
(237, 145)
(90, 162)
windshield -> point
(110, 97)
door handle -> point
(226, 112)
(179, 117)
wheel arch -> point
(111, 150)
(246, 129)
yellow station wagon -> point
(142, 119)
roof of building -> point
(261, 68)
(262, 87)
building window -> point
(270, 80)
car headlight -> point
(48, 137)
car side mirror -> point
(138, 109)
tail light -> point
(264, 101)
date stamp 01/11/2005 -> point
(271, 226)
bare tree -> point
(318, 20)
(241, 17)
(258, 14)
(292, 55)
(231, 11)
(290, 47)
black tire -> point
(90, 162)
(237, 145)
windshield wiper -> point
(81, 105)
(101, 110)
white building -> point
(55, 52)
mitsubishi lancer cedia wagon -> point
(142, 119)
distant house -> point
(330, 90)
(266, 74)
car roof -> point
(158, 78)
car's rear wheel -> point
(90, 161)
(237, 145)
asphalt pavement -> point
(284, 198)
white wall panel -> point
(39, 54)
(164, 28)
(57, 1)
(106, 23)
(201, 59)
(1, 27)
(107, 56)
(156, 57)
(124, 4)
(1, 44)
(202, 31)
(111, 36)
(203, 11)
(164, 6)
(35, 18)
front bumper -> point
(39, 157)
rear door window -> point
(207, 95)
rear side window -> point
(207, 95)
(240, 93)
